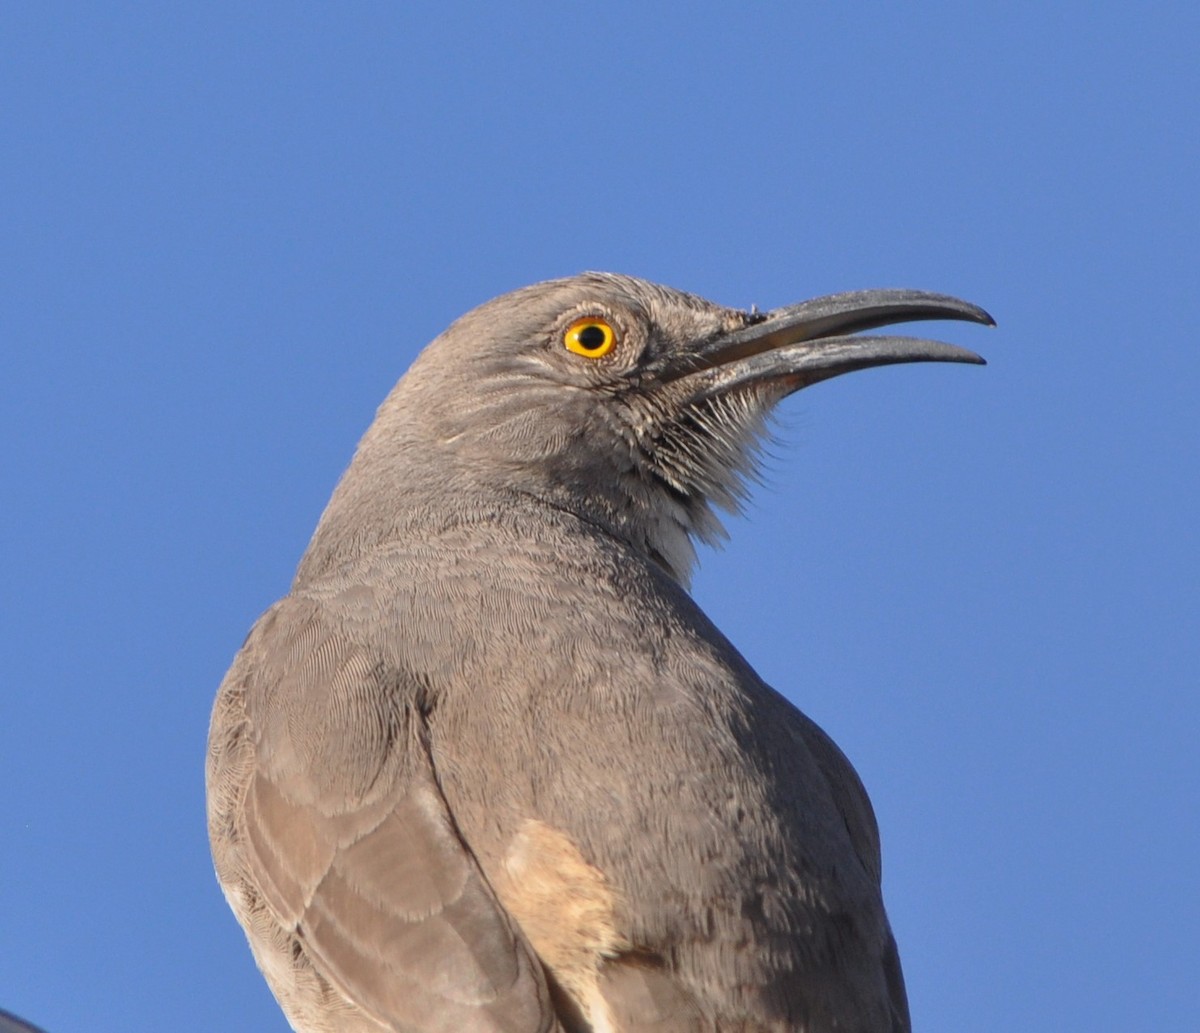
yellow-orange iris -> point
(590, 337)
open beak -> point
(799, 345)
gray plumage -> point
(487, 767)
(9, 1023)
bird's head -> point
(635, 406)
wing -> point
(327, 821)
(854, 805)
(9, 1023)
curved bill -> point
(802, 344)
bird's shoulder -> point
(336, 847)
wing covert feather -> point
(344, 834)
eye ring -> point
(592, 337)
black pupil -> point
(592, 337)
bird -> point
(10, 1023)
(487, 766)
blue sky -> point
(226, 230)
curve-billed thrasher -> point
(9, 1023)
(487, 766)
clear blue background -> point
(226, 229)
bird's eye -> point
(591, 337)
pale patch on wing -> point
(566, 909)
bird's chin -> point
(699, 462)
(699, 434)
